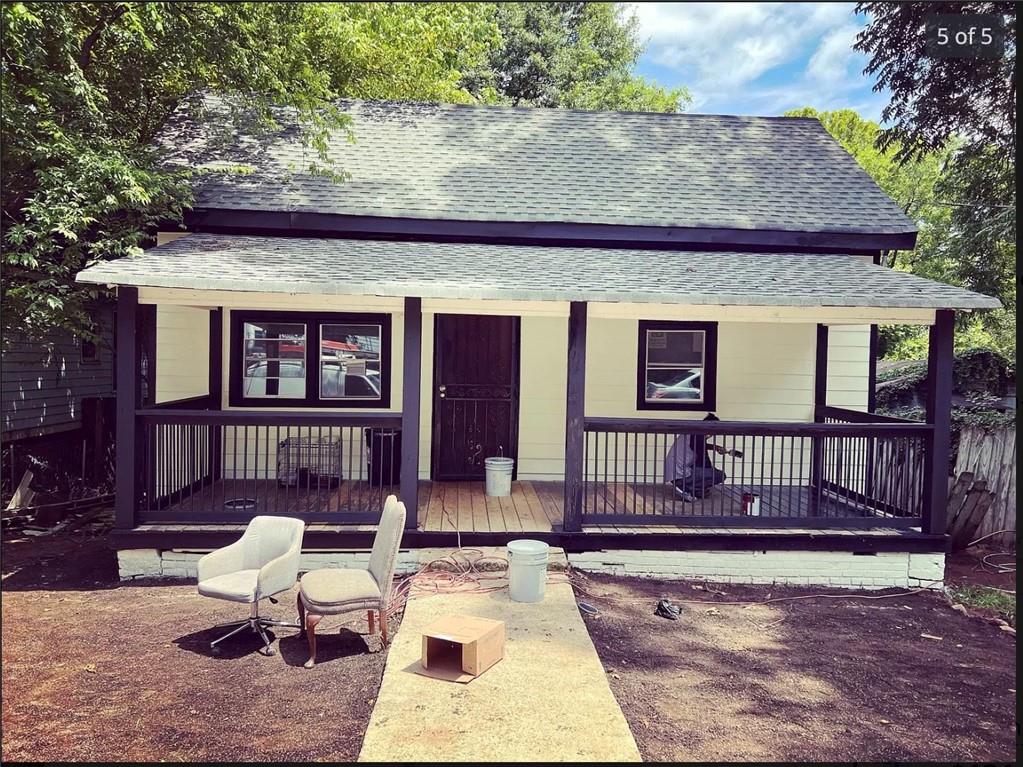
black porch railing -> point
(228, 466)
(853, 473)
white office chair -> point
(263, 562)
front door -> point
(475, 393)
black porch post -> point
(410, 407)
(820, 399)
(575, 414)
(216, 391)
(129, 385)
(871, 405)
(939, 416)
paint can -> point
(527, 570)
(498, 476)
(751, 504)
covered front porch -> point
(548, 375)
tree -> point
(943, 252)
(934, 100)
(574, 55)
(87, 86)
(965, 107)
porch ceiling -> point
(526, 272)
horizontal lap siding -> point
(42, 385)
(848, 366)
(542, 388)
(182, 352)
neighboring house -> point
(574, 290)
(54, 394)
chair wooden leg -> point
(372, 624)
(301, 614)
(311, 619)
(383, 626)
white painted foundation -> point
(798, 568)
(182, 563)
(838, 569)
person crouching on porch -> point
(689, 467)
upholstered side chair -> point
(333, 591)
(260, 564)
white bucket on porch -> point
(499, 474)
(527, 570)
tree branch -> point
(85, 57)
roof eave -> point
(336, 225)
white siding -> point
(182, 352)
(848, 366)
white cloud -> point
(726, 45)
(721, 50)
(834, 56)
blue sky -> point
(758, 58)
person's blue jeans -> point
(700, 480)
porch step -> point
(488, 558)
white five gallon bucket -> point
(527, 570)
(499, 474)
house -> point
(56, 399)
(574, 290)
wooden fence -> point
(991, 456)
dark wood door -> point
(475, 393)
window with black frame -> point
(303, 359)
(677, 365)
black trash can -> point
(384, 446)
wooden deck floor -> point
(532, 507)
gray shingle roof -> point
(540, 165)
(525, 272)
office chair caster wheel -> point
(214, 650)
(268, 651)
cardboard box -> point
(459, 648)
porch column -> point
(939, 416)
(216, 365)
(215, 389)
(129, 386)
(820, 399)
(410, 407)
(575, 413)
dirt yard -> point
(803, 680)
(100, 672)
(96, 671)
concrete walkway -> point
(548, 700)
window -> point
(349, 361)
(677, 365)
(90, 352)
(311, 360)
(87, 346)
